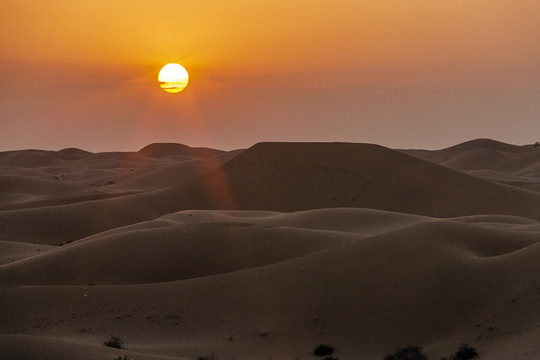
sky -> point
(403, 74)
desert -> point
(267, 252)
(269, 180)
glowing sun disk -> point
(173, 78)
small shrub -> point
(465, 352)
(115, 342)
(323, 349)
(537, 144)
(407, 353)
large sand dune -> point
(286, 177)
(491, 160)
(267, 252)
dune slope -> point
(194, 253)
(434, 283)
(288, 177)
(491, 160)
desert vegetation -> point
(115, 342)
(465, 352)
(323, 350)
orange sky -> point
(416, 73)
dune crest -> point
(492, 161)
(267, 252)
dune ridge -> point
(266, 252)
(314, 176)
(490, 160)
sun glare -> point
(173, 78)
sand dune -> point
(169, 252)
(504, 162)
(528, 182)
(426, 283)
(37, 347)
(33, 190)
(75, 153)
(48, 178)
(313, 176)
(447, 154)
(30, 158)
(30, 186)
(361, 175)
(198, 243)
(267, 252)
(11, 251)
(491, 160)
(160, 150)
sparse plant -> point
(537, 144)
(465, 352)
(407, 353)
(115, 342)
(323, 350)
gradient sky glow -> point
(415, 73)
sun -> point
(173, 78)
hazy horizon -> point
(416, 75)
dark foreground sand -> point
(267, 252)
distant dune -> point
(491, 160)
(281, 177)
(160, 150)
(267, 252)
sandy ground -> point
(267, 252)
